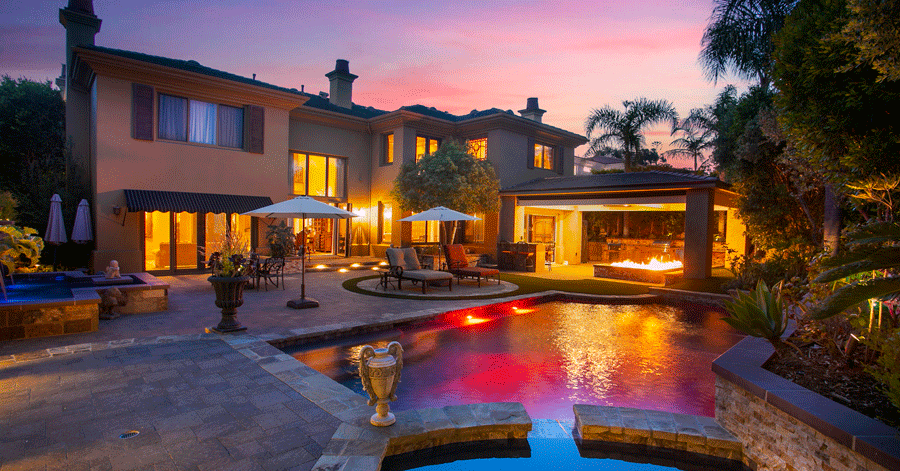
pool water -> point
(35, 290)
(551, 356)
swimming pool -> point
(549, 357)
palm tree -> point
(739, 38)
(627, 127)
(697, 136)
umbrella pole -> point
(303, 302)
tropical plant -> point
(695, 139)
(230, 256)
(739, 38)
(450, 177)
(8, 205)
(20, 247)
(626, 128)
(872, 258)
(280, 238)
(759, 313)
(887, 371)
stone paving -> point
(198, 404)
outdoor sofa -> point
(404, 265)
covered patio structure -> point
(557, 211)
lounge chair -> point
(458, 265)
(404, 265)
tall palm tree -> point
(626, 128)
(739, 38)
(697, 136)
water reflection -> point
(646, 356)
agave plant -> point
(759, 313)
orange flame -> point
(654, 265)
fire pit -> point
(652, 272)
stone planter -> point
(229, 297)
(785, 426)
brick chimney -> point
(341, 93)
(532, 111)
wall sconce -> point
(117, 210)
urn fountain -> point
(379, 369)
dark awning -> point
(181, 201)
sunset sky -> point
(454, 55)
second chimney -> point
(341, 93)
(532, 111)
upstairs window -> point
(387, 148)
(426, 145)
(319, 175)
(477, 148)
(181, 119)
(543, 157)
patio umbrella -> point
(441, 214)
(56, 232)
(302, 207)
(81, 232)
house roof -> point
(314, 101)
(187, 65)
(653, 180)
(606, 159)
(365, 112)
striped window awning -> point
(181, 201)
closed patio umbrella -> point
(56, 231)
(81, 232)
(302, 207)
(441, 214)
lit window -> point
(319, 175)
(384, 223)
(197, 121)
(387, 148)
(543, 156)
(474, 230)
(426, 145)
(425, 231)
(478, 148)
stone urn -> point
(229, 296)
(379, 369)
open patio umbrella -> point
(302, 207)
(56, 231)
(441, 214)
(81, 232)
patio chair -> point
(458, 265)
(404, 265)
(271, 271)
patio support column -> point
(507, 220)
(699, 230)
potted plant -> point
(230, 267)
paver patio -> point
(197, 403)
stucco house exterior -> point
(174, 151)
